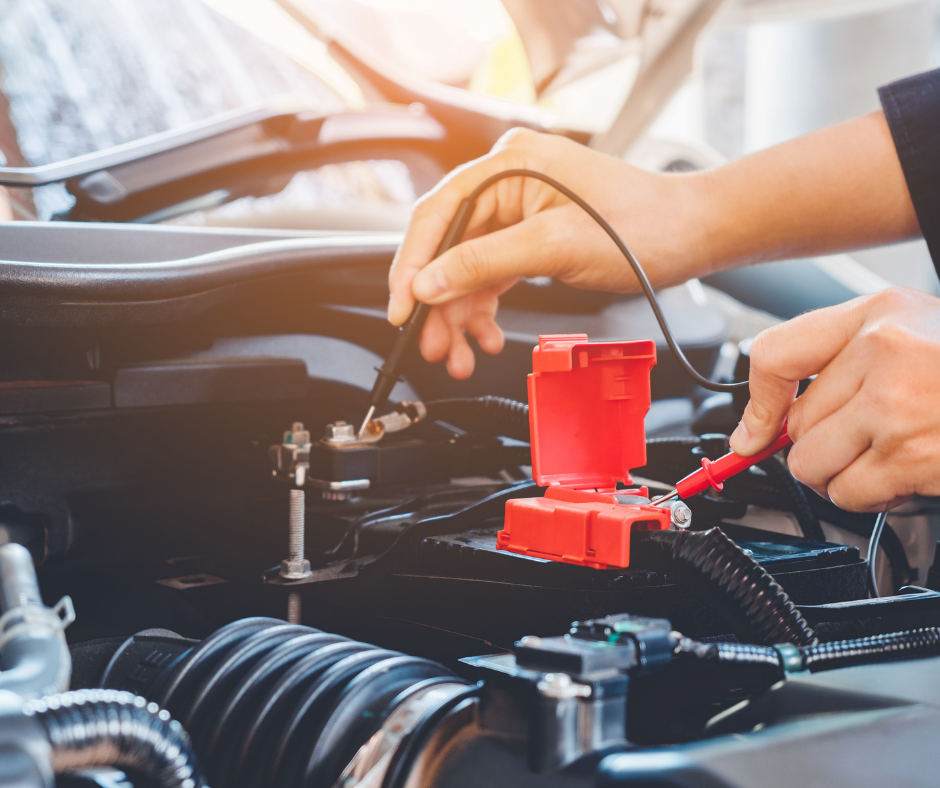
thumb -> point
(488, 260)
(782, 356)
(772, 395)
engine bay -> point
(264, 596)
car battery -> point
(587, 402)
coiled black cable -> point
(732, 653)
(878, 648)
(819, 656)
(731, 580)
(107, 728)
(496, 415)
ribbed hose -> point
(709, 562)
(820, 656)
(760, 665)
(776, 468)
(274, 704)
(494, 415)
(878, 648)
(107, 728)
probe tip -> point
(664, 498)
(368, 418)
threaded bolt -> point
(297, 505)
(296, 567)
(293, 608)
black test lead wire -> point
(411, 328)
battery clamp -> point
(587, 403)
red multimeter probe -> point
(713, 474)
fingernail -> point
(740, 438)
(429, 284)
(394, 307)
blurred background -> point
(666, 84)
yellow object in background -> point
(504, 70)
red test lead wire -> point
(714, 474)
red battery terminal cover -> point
(587, 402)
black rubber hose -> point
(413, 742)
(106, 728)
(731, 580)
(819, 656)
(494, 415)
(878, 648)
(762, 663)
(776, 468)
(260, 695)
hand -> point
(867, 430)
(522, 227)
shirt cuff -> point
(912, 109)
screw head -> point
(340, 430)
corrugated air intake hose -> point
(274, 704)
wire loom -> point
(821, 656)
(711, 563)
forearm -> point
(835, 189)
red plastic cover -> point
(587, 402)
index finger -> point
(431, 218)
(781, 357)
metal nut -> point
(340, 431)
(295, 570)
(681, 515)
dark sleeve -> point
(912, 108)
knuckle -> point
(796, 419)
(888, 396)
(517, 137)
(894, 298)
(757, 416)
(887, 336)
(762, 352)
(472, 264)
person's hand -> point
(523, 228)
(867, 430)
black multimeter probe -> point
(409, 331)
